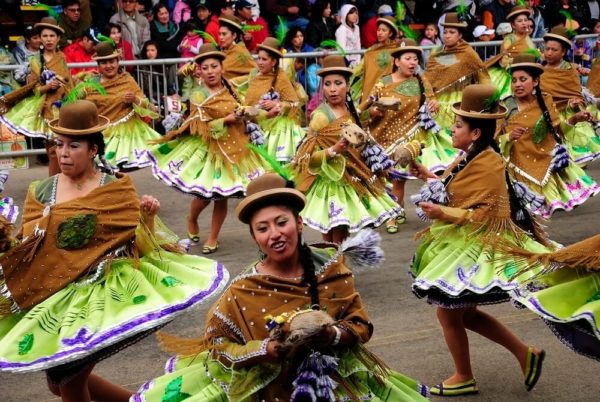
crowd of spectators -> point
(147, 29)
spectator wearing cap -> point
(221, 8)
(321, 26)
(71, 22)
(481, 33)
(136, 29)
(201, 14)
(503, 29)
(82, 50)
(368, 33)
(259, 28)
(165, 32)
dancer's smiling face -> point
(276, 230)
(211, 70)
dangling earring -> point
(301, 239)
(261, 255)
(534, 92)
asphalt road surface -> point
(407, 334)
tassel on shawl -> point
(426, 121)
(527, 198)
(376, 158)
(257, 137)
(433, 191)
(313, 382)
(560, 158)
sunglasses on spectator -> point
(74, 10)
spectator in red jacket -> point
(253, 37)
(221, 8)
(368, 33)
(82, 50)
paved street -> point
(407, 334)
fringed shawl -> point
(238, 62)
(527, 158)
(395, 124)
(205, 121)
(511, 47)
(62, 242)
(356, 172)
(259, 84)
(58, 64)
(562, 83)
(378, 62)
(593, 82)
(455, 68)
(112, 105)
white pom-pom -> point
(363, 248)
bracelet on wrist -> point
(331, 152)
(338, 336)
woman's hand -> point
(516, 133)
(375, 112)
(273, 355)
(433, 211)
(129, 98)
(433, 106)
(149, 206)
(233, 118)
(274, 111)
(340, 146)
(420, 172)
(53, 85)
(268, 104)
(579, 117)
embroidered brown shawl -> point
(378, 62)
(238, 62)
(455, 68)
(511, 47)
(356, 173)
(525, 155)
(562, 84)
(260, 84)
(395, 124)
(112, 105)
(593, 82)
(45, 263)
(58, 64)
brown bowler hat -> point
(474, 101)
(271, 45)
(516, 10)
(231, 21)
(407, 45)
(559, 34)
(208, 50)
(79, 118)
(334, 65)
(105, 51)
(267, 190)
(526, 61)
(389, 21)
(452, 21)
(50, 23)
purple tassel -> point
(376, 158)
(364, 251)
(433, 191)
(560, 158)
(257, 137)
(304, 393)
(527, 197)
(426, 121)
(47, 76)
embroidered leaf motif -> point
(540, 130)
(217, 174)
(596, 140)
(383, 60)
(170, 281)
(164, 149)
(111, 155)
(409, 88)
(115, 295)
(26, 344)
(76, 232)
(173, 391)
(594, 297)
(579, 149)
(587, 180)
(365, 201)
(510, 269)
(139, 299)
(450, 152)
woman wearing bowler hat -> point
(95, 270)
(242, 355)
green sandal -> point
(401, 218)
(533, 368)
(391, 226)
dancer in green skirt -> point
(95, 271)
(456, 267)
(247, 354)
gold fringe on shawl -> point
(462, 67)
(355, 166)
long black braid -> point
(352, 108)
(546, 115)
(227, 85)
(276, 73)
(309, 277)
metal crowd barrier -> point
(157, 78)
